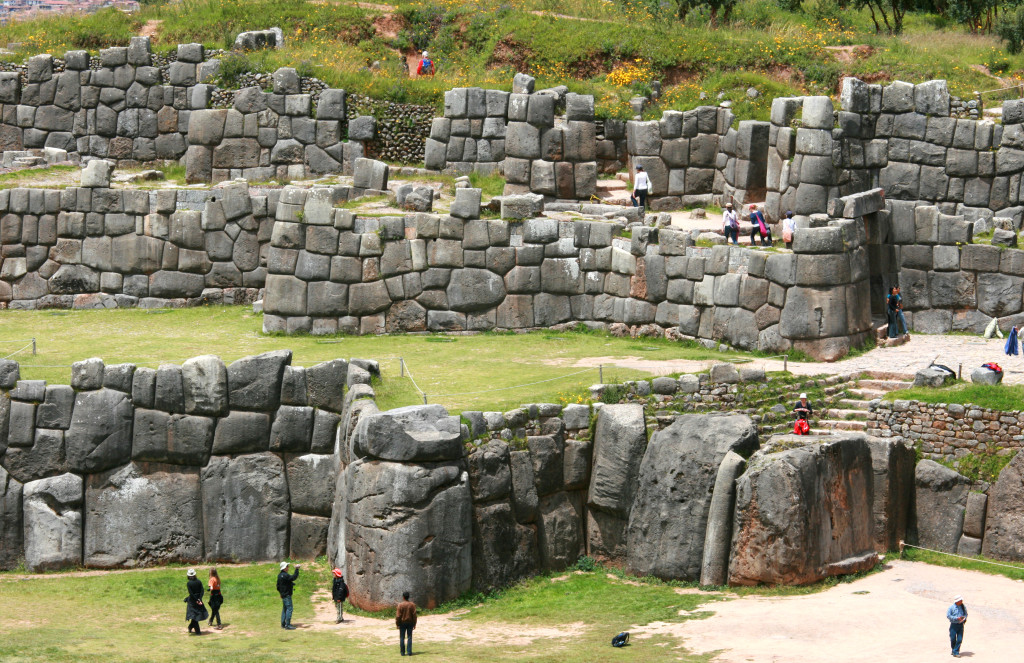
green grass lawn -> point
(983, 564)
(445, 367)
(139, 616)
(1008, 398)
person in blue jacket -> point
(957, 616)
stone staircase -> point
(851, 413)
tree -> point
(978, 15)
(1010, 29)
(719, 10)
(891, 13)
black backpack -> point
(621, 640)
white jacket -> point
(641, 182)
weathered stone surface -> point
(892, 463)
(205, 385)
(524, 489)
(490, 476)
(931, 376)
(676, 476)
(171, 438)
(620, 439)
(254, 382)
(714, 569)
(100, 435)
(53, 522)
(143, 514)
(292, 429)
(503, 550)
(940, 499)
(408, 528)
(245, 508)
(311, 479)
(974, 515)
(983, 375)
(474, 290)
(11, 527)
(413, 433)
(242, 432)
(560, 529)
(1004, 520)
(325, 384)
(805, 513)
(308, 536)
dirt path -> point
(897, 616)
(150, 29)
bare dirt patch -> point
(389, 25)
(150, 29)
(510, 53)
(900, 619)
(848, 54)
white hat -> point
(424, 54)
(284, 565)
(957, 598)
(803, 395)
(191, 573)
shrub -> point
(1011, 30)
(585, 563)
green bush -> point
(585, 563)
(1011, 30)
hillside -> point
(613, 50)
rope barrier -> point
(413, 380)
(904, 544)
(24, 347)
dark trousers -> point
(404, 634)
(193, 625)
(214, 614)
(639, 198)
(286, 610)
(956, 636)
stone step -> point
(855, 404)
(884, 385)
(868, 394)
(833, 413)
(845, 425)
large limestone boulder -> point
(11, 528)
(620, 439)
(666, 530)
(503, 550)
(311, 479)
(414, 433)
(804, 513)
(100, 436)
(205, 384)
(1004, 521)
(892, 464)
(53, 522)
(490, 476)
(143, 514)
(245, 508)
(408, 529)
(254, 382)
(560, 529)
(940, 498)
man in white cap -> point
(285, 585)
(957, 615)
(426, 66)
(803, 408)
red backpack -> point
(801, 427)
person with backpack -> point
(803, 412)
(788, 228)
(758, 226)
(216, 598)
(426, 66)
(730, 224)
(285, 585)
(405, 620)
(339, 592)
(894, 307)
(641, 187)
(195, 611)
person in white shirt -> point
(788, 227)
(641, 185)
(730, 224)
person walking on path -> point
(216, 598)
(957, 616)
(285, 585)
(339, 592)
(426, 66)
(730, 224)
(195, 611)
(405, 620)
(759, 227)
(894, 307)
(788, 228)
(641, 187)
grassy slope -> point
(609, 49)
(139, 616)
(440, 365)
(1007, 398)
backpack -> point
(801, 427)
(621, 640)
(424, 67)
(992, 366)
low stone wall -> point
(948, 432)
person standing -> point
(730, 224)
(759, 227)
(788, 228)
(426, 66)
(285, 585)
(216, 598)
(641, 187)
(405, 620)
(339, 592)
(957, 616)
(894, 306)
(195, 611)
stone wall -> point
(339, 271)
(131, 466)
(948, 432)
